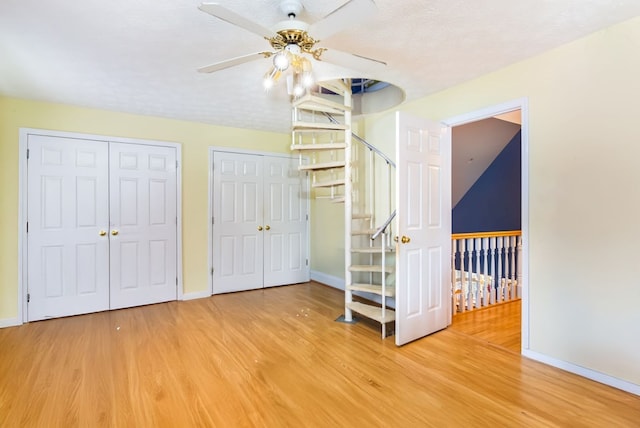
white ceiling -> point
(141, 56)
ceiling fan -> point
(293, 41)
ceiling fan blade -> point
(340, 19)
(214, 9)
(233, 61)
(352, 61)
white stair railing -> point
(486, 269)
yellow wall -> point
(195, 139)
(584, 202)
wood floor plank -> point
(277, 358)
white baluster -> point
(463, 302)
(500, 291)
(485, 282)
(492, 266)
(469, 291)
(512, 283)
(454, 297)
(519, 268)
(478, 290)
(507, 273)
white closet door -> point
(68, 258)
(238, 229)
(285, 210)
(143, 204)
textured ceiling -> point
(141, 56)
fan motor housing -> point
(291, 7)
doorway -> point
(508, 111)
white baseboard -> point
(330, 280)
(9, 322)
(196, 295)
(584, 372)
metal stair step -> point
(364, 232)
(330, 183)
(318, 126)
(323, 146)
(361, 216)
(318, 103)
(372, 250)
(373, 312)
(371, 268)
(336, 86)
(390, 290)
(322, 166)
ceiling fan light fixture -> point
(307, 79)
(281, 60)
(271, 77)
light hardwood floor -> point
(497, 325)
(277, 358)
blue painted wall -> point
(493, 202)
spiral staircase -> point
(346, 169)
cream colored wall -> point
(195, 139)
(584, 204)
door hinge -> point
(307, 262)
(28, 297)
(27, 227)
(176, 164)
(176, 281)
(213, 220)
(211, 271)
(27, 154)
(307, 216)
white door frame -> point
(521, 104)
(212, 150)
(22, 203)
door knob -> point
(405, 239)
(102, 232)
(114, 232)
(267, 227)
(259, 228)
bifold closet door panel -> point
(285, 210)
(67, 243)
(238, 229)
(143, 224)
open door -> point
(423, 264)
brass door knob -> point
(102, 232)
(259, 228)
(114, 232)
(267, 227)
(405, 239)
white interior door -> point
(238, 229)
(67, 197)
(285, 217)
(423, 277)
(143, 229)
